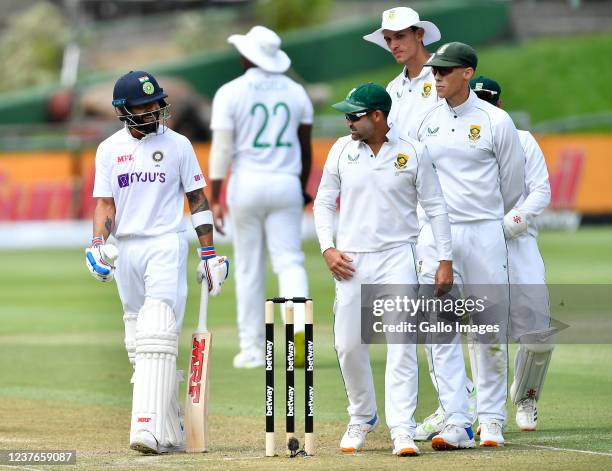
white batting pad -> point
(175, 431)
(155, 376)
(530, 367)
(129, 319)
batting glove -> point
(212, 269)
(100, 259)
(515, 224)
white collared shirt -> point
(479, 158)
(411, 98)
(378, 195)
(264, 111)
(147, 178)
(536, 192)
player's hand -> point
(444, 278)
(218, 218)
(100, 259)
(339, 264)
(212, 269)
(307, 198)
(515, 224)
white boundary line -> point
(19, 467)
(570, 450)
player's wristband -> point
(202, 218)
(97, 241)
(207, 252)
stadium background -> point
(61, 354)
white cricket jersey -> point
(536, 192)
(378, 195)
(148, 179)
(478, 155)
(264, 111)
(411, 98)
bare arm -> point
(304, 136)
(104, 217)
(197, 203)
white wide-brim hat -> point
(401, 18)
(262, 47)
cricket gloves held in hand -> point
(515, 224)
(100, 259)
(212, 270)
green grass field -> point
(64, 376)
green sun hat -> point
(454, 54)
(368, 96)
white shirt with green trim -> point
(264, 111)
(411, 98)
(479, 158)
(148, 179)
(378, 196)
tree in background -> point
(31, 47)
(282, 15)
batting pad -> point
(175, 431)
(155, 375)
(530, 368)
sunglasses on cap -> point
(352, 117)
(443, 71)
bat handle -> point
(203, 315)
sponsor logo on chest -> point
(432, 131)
(353, 159)
(121, 159)
(127, 179)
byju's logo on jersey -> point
(426, 90)
(474, 133)
(127, 179)
(432, 131)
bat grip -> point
(203, 314)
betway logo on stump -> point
(269, 356)
(269, 401)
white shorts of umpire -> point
(156, 422)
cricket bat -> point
(196, 404)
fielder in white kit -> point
(480, 162)
(529, 308)
(261, 124)
(143, 173)
(413, 92)
(380, 176)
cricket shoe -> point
(504, 429)
(299, 355)
(430, 427)
(354, 438)
(403, 445)
(147, 444)
(453, 437)
(527, 415)
(249, 359)
(491, 434)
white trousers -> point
(394, 266)
(155, 268)
(266, 211)
(480, 261)
(529, 302)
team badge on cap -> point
(391, 15)
(426, 90)
(474, 133)
(401, 161)
(148, 88)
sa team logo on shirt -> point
(401, 161)
(474, 133)
(426, 90)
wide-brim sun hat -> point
(261, 46)
(398, 19)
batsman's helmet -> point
(137, 88)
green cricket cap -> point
(454, 54)
(486, 84)
(368, 96)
